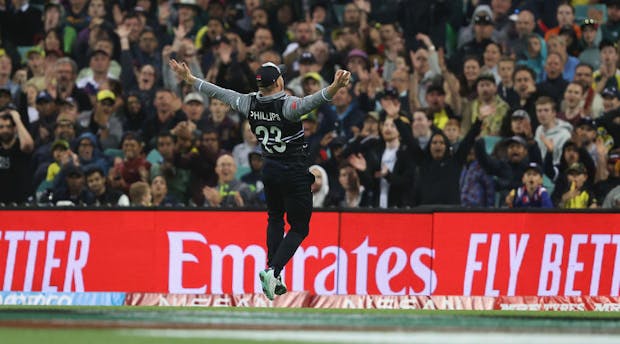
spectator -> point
(552, 132)
(103, 122)
(532, 194)
(320, 187)
(487, 97)
(610, 30)
(608, 74)
(557, 44)
(572, 104)
(577, 195)
(88, 152)
(477, 188)
(471, 72)
(229, 192)
(62, 155)
(604, 186)
(99, 62)
(611, 99)
(163, 163)
(534, 56)
(590, 53)
(571, 153)
(509, 170)
(304, 36)
(348, 114)
(612, 201)
(254, 178)
(474, 45)
(194, 109)
(436, 100)
(133, 167)
(70, 187)
(440, 169)
(490, 57)
(593, 102)
(43, 127)
(524, 27)
(426, 69)
(65, 76)
(159, 192)
(16, 146)
(505, 88)
(96, 182)
(566, 18)
(421, 126)
(242, 150)
(353, 194)
(167, 115)
(54, 21)
(6, 67)
(307, 64)
(140, 194)
(219, 119)
(21, 22)
(554, 83)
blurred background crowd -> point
(459, 103)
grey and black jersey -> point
(279, 137)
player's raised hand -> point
(342, 78)
(182, 71)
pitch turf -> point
(119, 325)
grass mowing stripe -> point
(301, 319)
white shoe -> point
(269, 282)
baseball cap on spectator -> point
(436, 87)
(520, 114)
(267, 74)
(187, 3)
(98, 52)
(518, 139)
(193, 97)
(485, 76)
(357, 53)
(589, 22)
(35, 50)
(309, 117)
(62, 144)
(5, 90)
(69, 101)
(44, 97)
(389, 92)
(588, 122)
(314, 76)
(65, 118)
(54, 53)
(337, 142)
(220, 39)
(307, 58)
(73, 171)
(374, 115)
(611, 92)
(52, 3)
(105, 94)
(483, 15)
(534, 166)
(576, 168)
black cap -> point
(517, 139)
(610, 92)
(98, 52)
(587, 121)
(534, 166)
(221, 39)
(485, 76)
(589, 22)
(436, 87)
(483, 19)
(73, 171)
(389, 92)
(576, 168)
(307, 58)
(520, 114)
(267, 74)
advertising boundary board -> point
(359, 256)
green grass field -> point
(119, 325)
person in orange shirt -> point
(566, 17)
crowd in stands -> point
(472, 103)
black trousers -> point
(287, 190)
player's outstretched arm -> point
(295, 107)
(238, 102)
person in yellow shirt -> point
(62, 154)
(578, 196)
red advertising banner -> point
(151, 251)
(219, 252)
(386, 254)
(497, 254)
